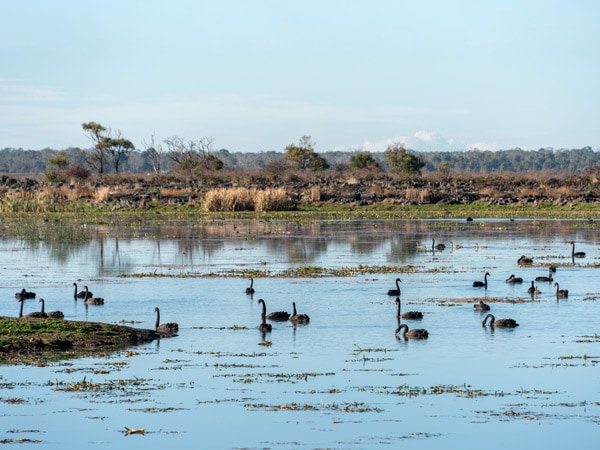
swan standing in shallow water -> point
(170, 327)
(500, 323)
(51, 314)
(483, 283)
(298, 318)
(481, 306)
(396, 291)
(409, 315)
(250, 289)
(561, 293)
(416, 333)
(264, 326)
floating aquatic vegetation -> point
(351, 407)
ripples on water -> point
(343, 381)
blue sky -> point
(257, 75)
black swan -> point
(250, 289)
(548, 278)
(279, 316)
(89, 300)
(525, 261)
(416, 333)
(482, 283)
(264, 326)
(396, 291)
(24, 294)
(410, 315)
(500, 323)
(81, 294)
(561, 293)
(513, 279)
(575, 254)
(298, 318)
(32, 315)
(51, 314)
(170, 327)
(481, 306)
(439, 247)
(531, 289)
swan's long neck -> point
(75, 293)
(492, 319)
(157, 318)
(264, 307)
(399, 307)
(294, 313)
(398, 285)
(43, 303)
(21, 309)
(403, 328)
(251, 282)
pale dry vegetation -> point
(247, 199)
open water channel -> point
(342, 381)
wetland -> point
(344, 380)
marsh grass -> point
(245, 199)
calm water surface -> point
(344, 381)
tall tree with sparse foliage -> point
(303, 155)
(100, 136)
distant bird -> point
(170, 327)
(409, 315)
(500, 323)
(481, 306)
(24, 294)
(561, 293)
(483, 283)
(575, 254)
(250, 289)
(416, 333)
(298, 318)
(81, 294)
(513, 279)
(536, 291)
(551, 268)
(396, 291)
(524, 261)
(51, 314)
(531, 289)
(264, 326)
(455, 246)
(434, 247)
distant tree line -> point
(113, 153)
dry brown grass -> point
(416, 195)
(244, 199)
(101, 194)
(171, 192)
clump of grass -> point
(101, 194)
(415, 195)
(244, 199)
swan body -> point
(513, 279)
(409, 315)
(415, 333)
(250, 289)
(170, 327)
(51, 314)
(439, 247)
(24, 294)
(561, 293)
(524, 261)
(575, 254)
(482, 283)
(32, 315)
(531, 289)
(500, 323)
(396, 291)
(298, 318)
(81, 294)
(264, 326)
(279, 316)
(89, 300)
(547, 279)
(481, 306)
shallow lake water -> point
(344, 380)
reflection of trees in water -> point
(297, 249)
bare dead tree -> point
(155, 152)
